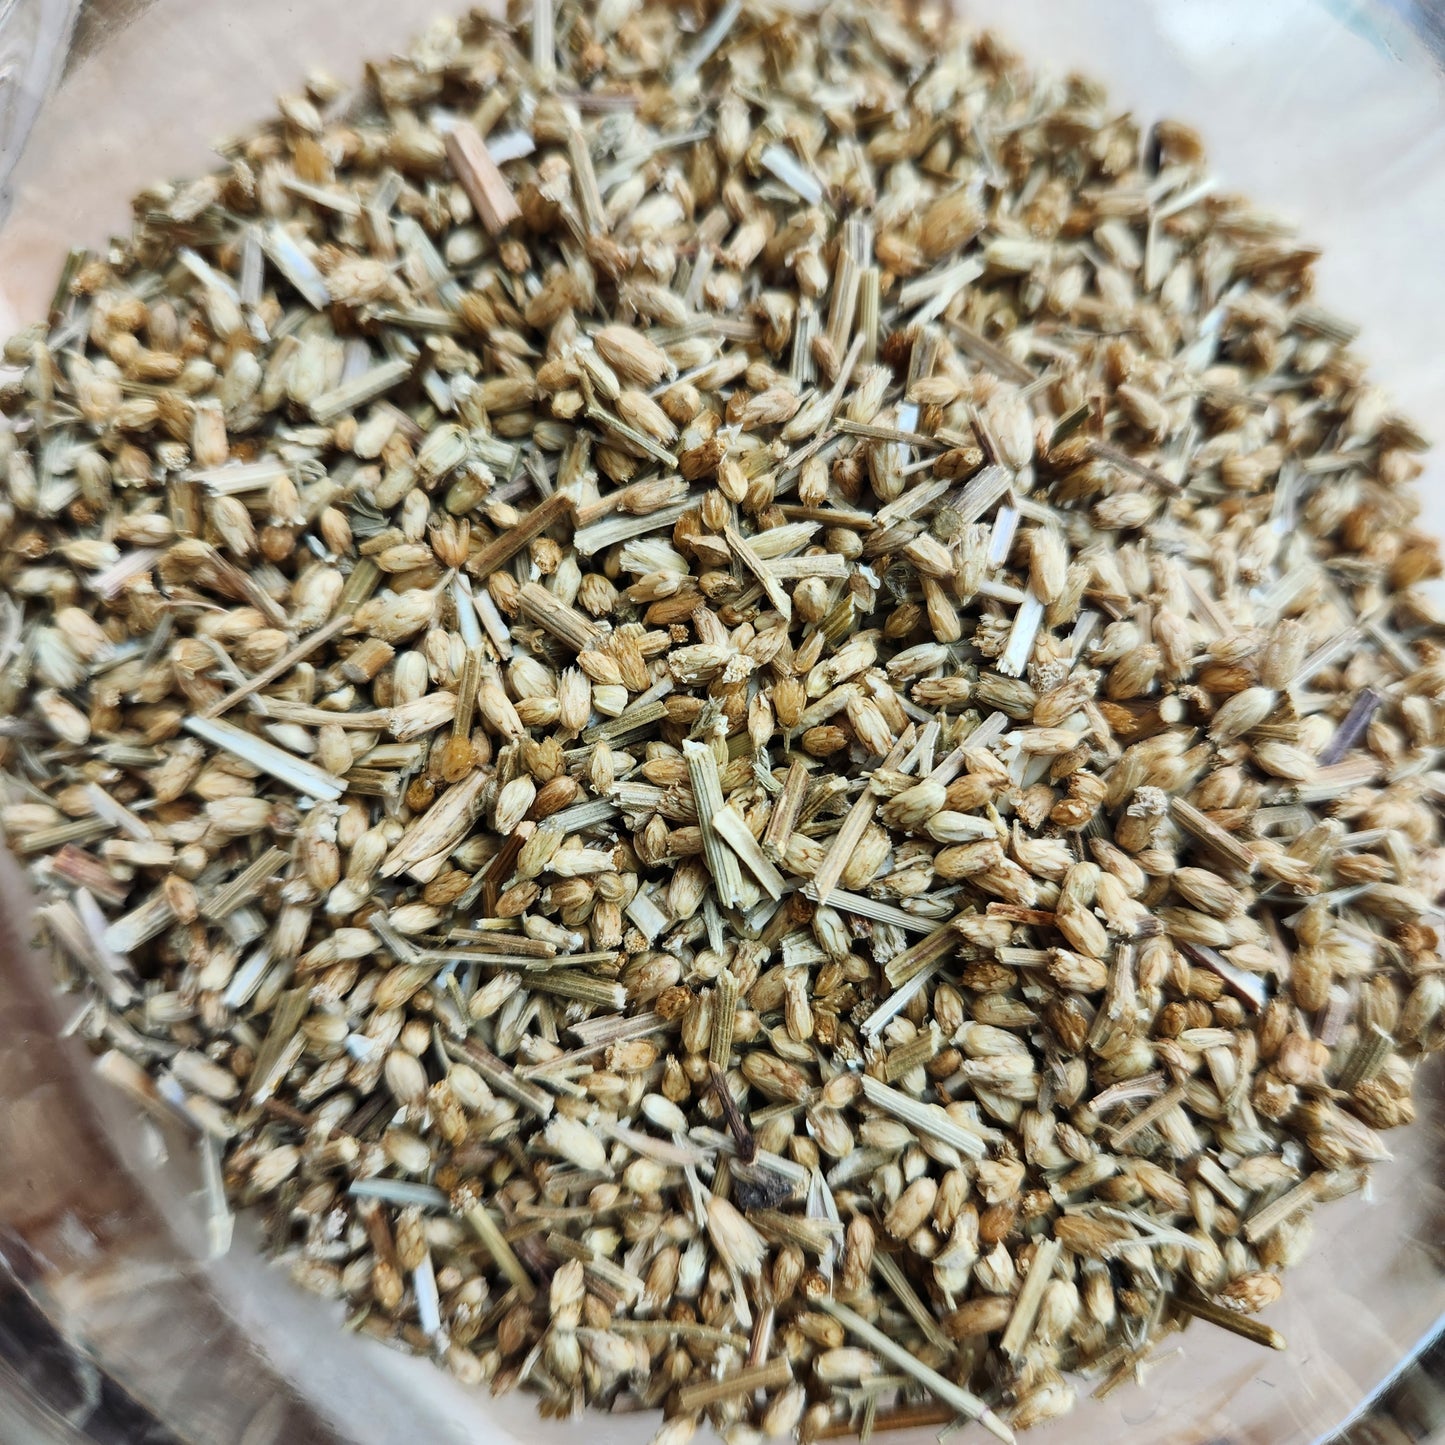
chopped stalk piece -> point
(728, 823)
(840, 851)
(481, 179)
(306, 778)
(708, 799)
(961, 1400)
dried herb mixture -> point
(738, 702)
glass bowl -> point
(115, 1324)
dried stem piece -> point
(281, 666)
(840, 851)
(1237, 1324)
(484, 183)
(707, 797)
(961, 1400)
(731, 828)
(498, 553)
(767, 1376)
(306, 778)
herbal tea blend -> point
(738, 703)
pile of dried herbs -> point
(737, 701)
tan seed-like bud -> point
(1242, 713)
(911, 1208)
(406, 1078)
(913, 807)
